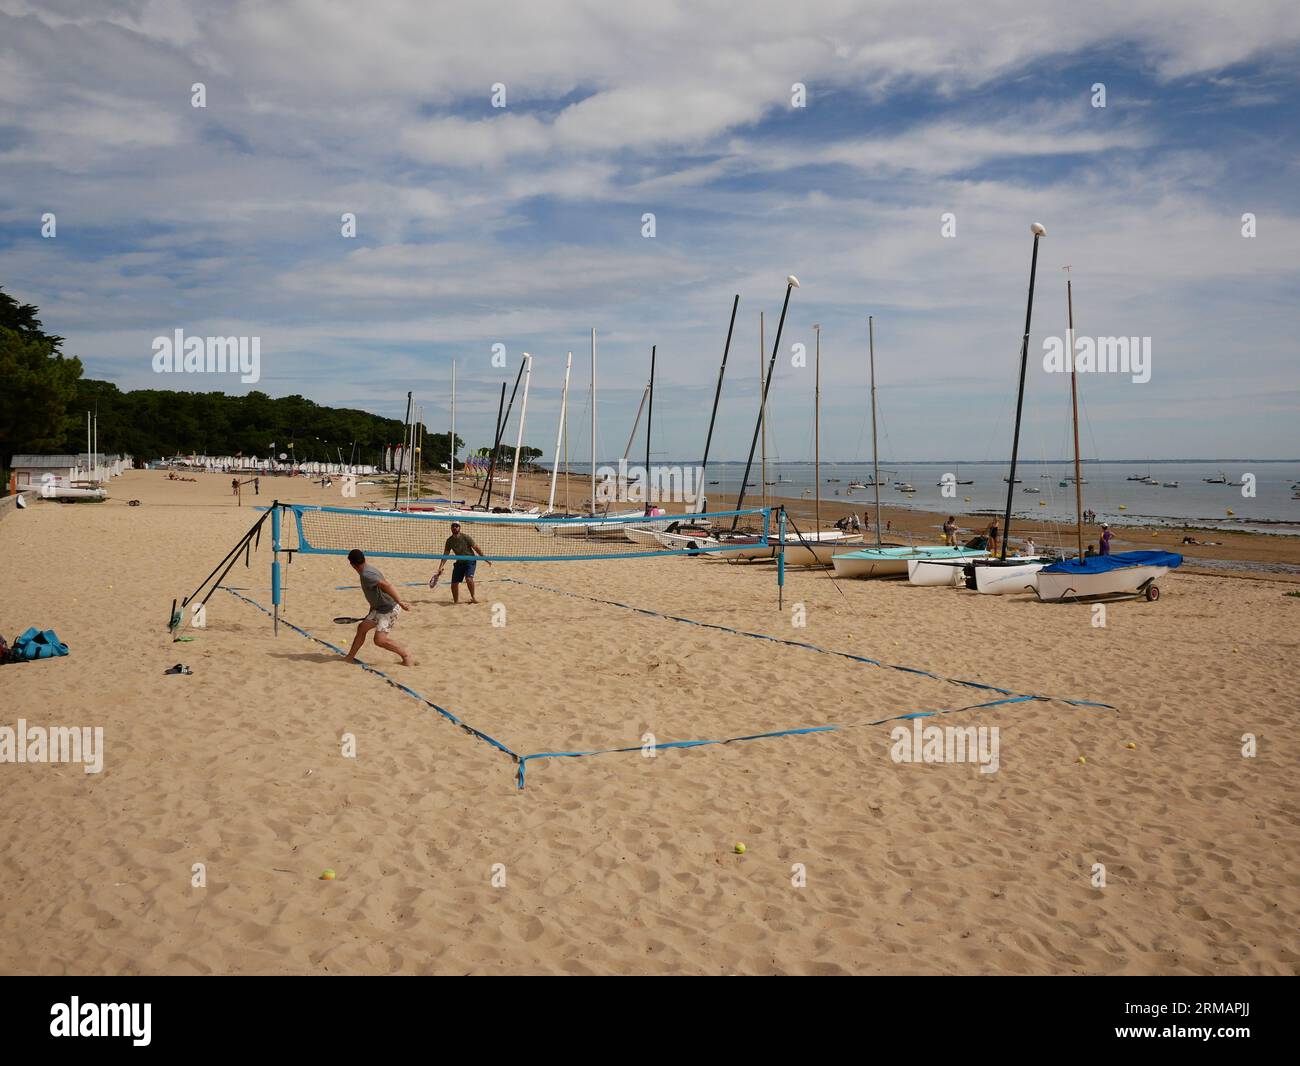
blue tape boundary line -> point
(907, 715)
(379, 673)
(522, 760)
(810, 647)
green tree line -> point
(44, 400)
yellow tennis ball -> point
(740, 849)
(1082, 759)
(327, 875)
(1131, 746)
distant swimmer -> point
(386, 605)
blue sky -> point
(522, 225)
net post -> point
(780, 561)
(275, 567)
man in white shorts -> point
(385, 605)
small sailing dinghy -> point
(1100, 576)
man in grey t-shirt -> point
(385, 605)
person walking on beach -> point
(950, 531)
(992, 534)
(1105, 539)
(463, 569)
(385, 605)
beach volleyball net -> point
(315, 530)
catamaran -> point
(1002, 575)
(882, 560)
(1090, 577)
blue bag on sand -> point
(38, 644)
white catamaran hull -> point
(579, 527)
(880, 567)
(796, 553)
(1007, 580)
(647, 538)
(686, 541)
(938, 573)
(811, 554)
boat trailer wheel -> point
(1153, 593)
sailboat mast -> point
(1038, 231)
(791, 283)
(397, 489)
(817, 428)
(717, 395)
(559, 433)
(875, 455)
(519, 439)
(496, 444)
(636, 423)
(501, 428)
(593, 420)
(452, 445)
(1074, 403)
(762, 417)
(649, 419)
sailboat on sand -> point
(883, 560)
(1091, 577)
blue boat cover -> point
(1101, 564)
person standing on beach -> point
(950, 531)
(463, 569)
(992, 534)
(1105, 539)
(385, 605)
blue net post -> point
(780, 561)
(275, 566)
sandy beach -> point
(619, 863)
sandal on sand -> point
(179, 668)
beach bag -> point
(37, 644)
